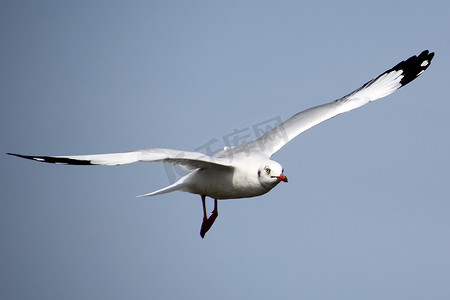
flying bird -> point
(247, 170)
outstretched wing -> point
(382, 86)
(188, 160)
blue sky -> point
(365, 214)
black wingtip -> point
(19, 155)
(54, 160)
(414, 66)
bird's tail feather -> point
(173, 187)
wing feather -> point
(382, 86)
(188, 160)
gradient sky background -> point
(366, 212)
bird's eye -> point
(267, 169)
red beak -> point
(281, 178)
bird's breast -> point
(226, 183)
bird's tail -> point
(173, 187)
(179, 185)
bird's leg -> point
(204, 208)
(208, 222)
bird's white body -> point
(242, 181)
(247, 171)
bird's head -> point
(270, 173)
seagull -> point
(247, 171)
